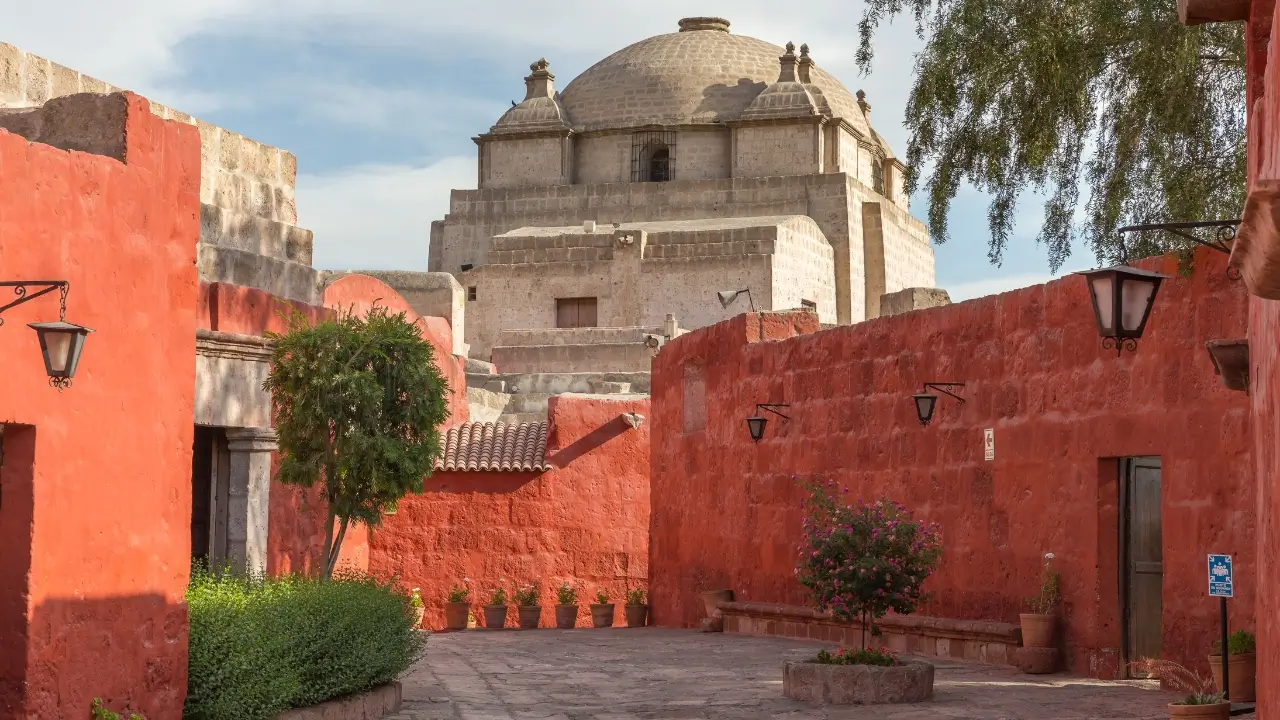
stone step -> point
(588, 383)
(494, 383)
(601, 357)
(518, 418)
(479, 367)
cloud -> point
(378, 217)
(999, 284)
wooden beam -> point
(1199, 12)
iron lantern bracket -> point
(942, 388)
(1225, 234)
(20, 288)
(770, 407)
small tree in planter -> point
(1038, 625)
(602, 610)
(636, 610)
(858, 563)
(457, 606)
(1241, 645)
(495, 613)
(566, 607)
(528, 608)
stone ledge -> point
(857, 684)
(372, 705)
(981, 641)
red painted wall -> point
(96, 486)
(586, 521)
(726, 511)
(1264, 348)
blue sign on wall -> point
(1220, 576)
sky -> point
(379, 99)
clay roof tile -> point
(495, 447)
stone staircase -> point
(515, 398)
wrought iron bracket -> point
(770, 407)
(942, 388)
(1225, 234)
(46, 286)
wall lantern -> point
(1122, 298)
(728, 296)
(926, 401)
(60, 342)
(1224, 235)
(756, 423)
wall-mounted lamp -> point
(728, 296)
(60, 342)
(756, 423)
(1122, 298)
(925, 401)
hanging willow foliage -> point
(1117, 95)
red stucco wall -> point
(585, 521)
(1264, 348)
(726, 511)
(96, 491)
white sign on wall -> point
(989, 443)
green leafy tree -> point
(1113, 94)
(357, 401)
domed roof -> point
(701, 74)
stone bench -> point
(981, 641)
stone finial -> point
(788, 61)
(862, 102)
(806, 63)
(540, 83)
(694, 24)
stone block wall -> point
(702, 154)
(604, 158)
(908, 256)
(727, 511)
(777, 150)
(803, 269)
(524, 162)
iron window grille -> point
(653, 156)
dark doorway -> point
(1141, 558)
(210, 481)
(660, 165)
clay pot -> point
(529, 616)
(495, 616)
(566, 616)
(636, 615)
(1217, 711)
(602, 615)
(1243, 671)
(455, 615)
(1037, 630)
(712, 600)
(418, 612)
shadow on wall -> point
(589, 442)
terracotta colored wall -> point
(726, 511)
(585, 521)
(96, 483)
(1264, 348)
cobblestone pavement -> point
(628, 674)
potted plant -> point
(566, 607)
(1241, 662)
(1201, 700)
(602, 611)
(415, 604)
(1038, 625)
(636, 610)
(457, 608)
(528, 608)
(495, 613)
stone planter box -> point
(370, 706)
(857, 684)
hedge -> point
(259, 646)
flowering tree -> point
(861, 562)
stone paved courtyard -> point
(626, 674)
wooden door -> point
(575, 312)
(1143, 558)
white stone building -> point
(685, 164)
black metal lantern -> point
(1122, 298)
(756, 423)
(925, 401)
(61, 343)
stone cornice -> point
(818, 120)
(215, 344)
(488, 137)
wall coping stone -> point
(986, 630)
(372, 705)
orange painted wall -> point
(726, 512)
(586, 521)
(1264, 348)
(97, 480)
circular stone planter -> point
(857, 684)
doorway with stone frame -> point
(230, 498)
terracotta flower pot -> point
(636, 615)
(1243, 671)
(602, 615)
(1217, 711)
(1037, 630)
(566, 616)
(455, 615)
(529, 616)
(495, 616)
(418, 612)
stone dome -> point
(701, 74)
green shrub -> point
(262, 646)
